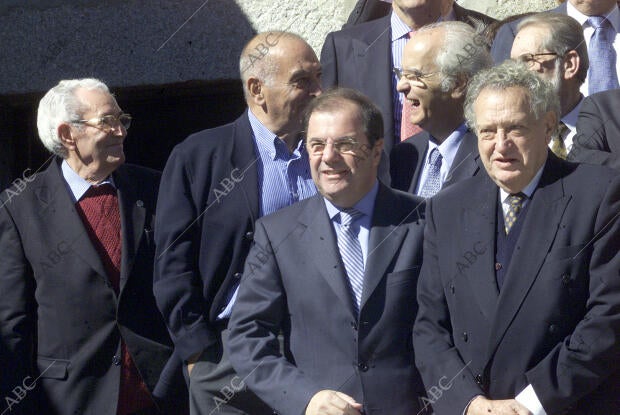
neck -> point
(288, 133)
(442, 132)
(418, 17)
(91, 175)
(569, 101)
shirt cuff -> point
(528, 398)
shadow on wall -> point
(172, 65)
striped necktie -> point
(351, 252)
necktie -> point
(351, 253)
(433, 180)
(557, 141)
(602, 74)
(515, 203)
(407, 128)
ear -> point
(66, 136)
(255, 90)
(550, 120)
(460, 87)
(570, 64)
(377, 150)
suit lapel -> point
(386, 237)
(133, 216)
(323, 249)
(480, 221)
(420, 141)
(245, 160)
(465, 161)
(542, 221)
(64, 219)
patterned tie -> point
(433, 180)
(351, 252)
(602, 74)
(515, 203)
(557, 141)
(407, 128)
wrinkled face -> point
(296, 82)
(511, 141)
(429, 104)
(341, 177)
(96, 149)
(593, 7)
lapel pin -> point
(140, 203)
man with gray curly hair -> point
(77, 311)
(519, 296)
(438, 62)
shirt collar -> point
(365, 205)
(570, 119)
(270, 141)
(76, 184)
(527, 190)
(400, 28)
(613, 16)
(450, 146)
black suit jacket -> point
(598, 130)
(205, 225)
(555, 324)
(60, 317)
(407, 159)
(360, 57)
(294, 281)
(502, 44)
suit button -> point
(116, 360)
(362, 366)
(249, 236)
(237, 275)
(553, 329)
(498, 266)
(565, 279)
(479, 379)
(465, 337)
(354, 325)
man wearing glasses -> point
(77, 313)
(337, 274)
(438, 61)
(552, 45)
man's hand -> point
(484, 406)
(193, 359)
(333, 403)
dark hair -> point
(332, 100)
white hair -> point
(61, 105)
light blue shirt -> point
(361, 225)
(448, 150)
(77, 185)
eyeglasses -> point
(344, 145)
(415, 77)
(529, 59)
(108, 123)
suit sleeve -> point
(587, 358)
(17, 318)
(177, 283)
(502, 44)
(329, 63)
(436, 356)
(590, 144)
(258, 317)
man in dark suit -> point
(519, 295)
(585, 12)
(362, 57)
(598, 130)
(77, 313)
(216, 184)
(336, 273)
(438, 61)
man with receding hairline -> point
(216, 184)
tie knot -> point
(516, 199)
(348, 216)
(598, 21)
(434, 158)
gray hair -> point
(464, 52)
(61, 105)
(541, 94)
(564, 34)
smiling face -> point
(511, 141)
(94, 153)
(343, 179)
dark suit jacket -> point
(59, 315)
(502, 44)
(555, 324)
(294, 281)
(205, 225)
(598, 130)
(407, 159)
(360, 57)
